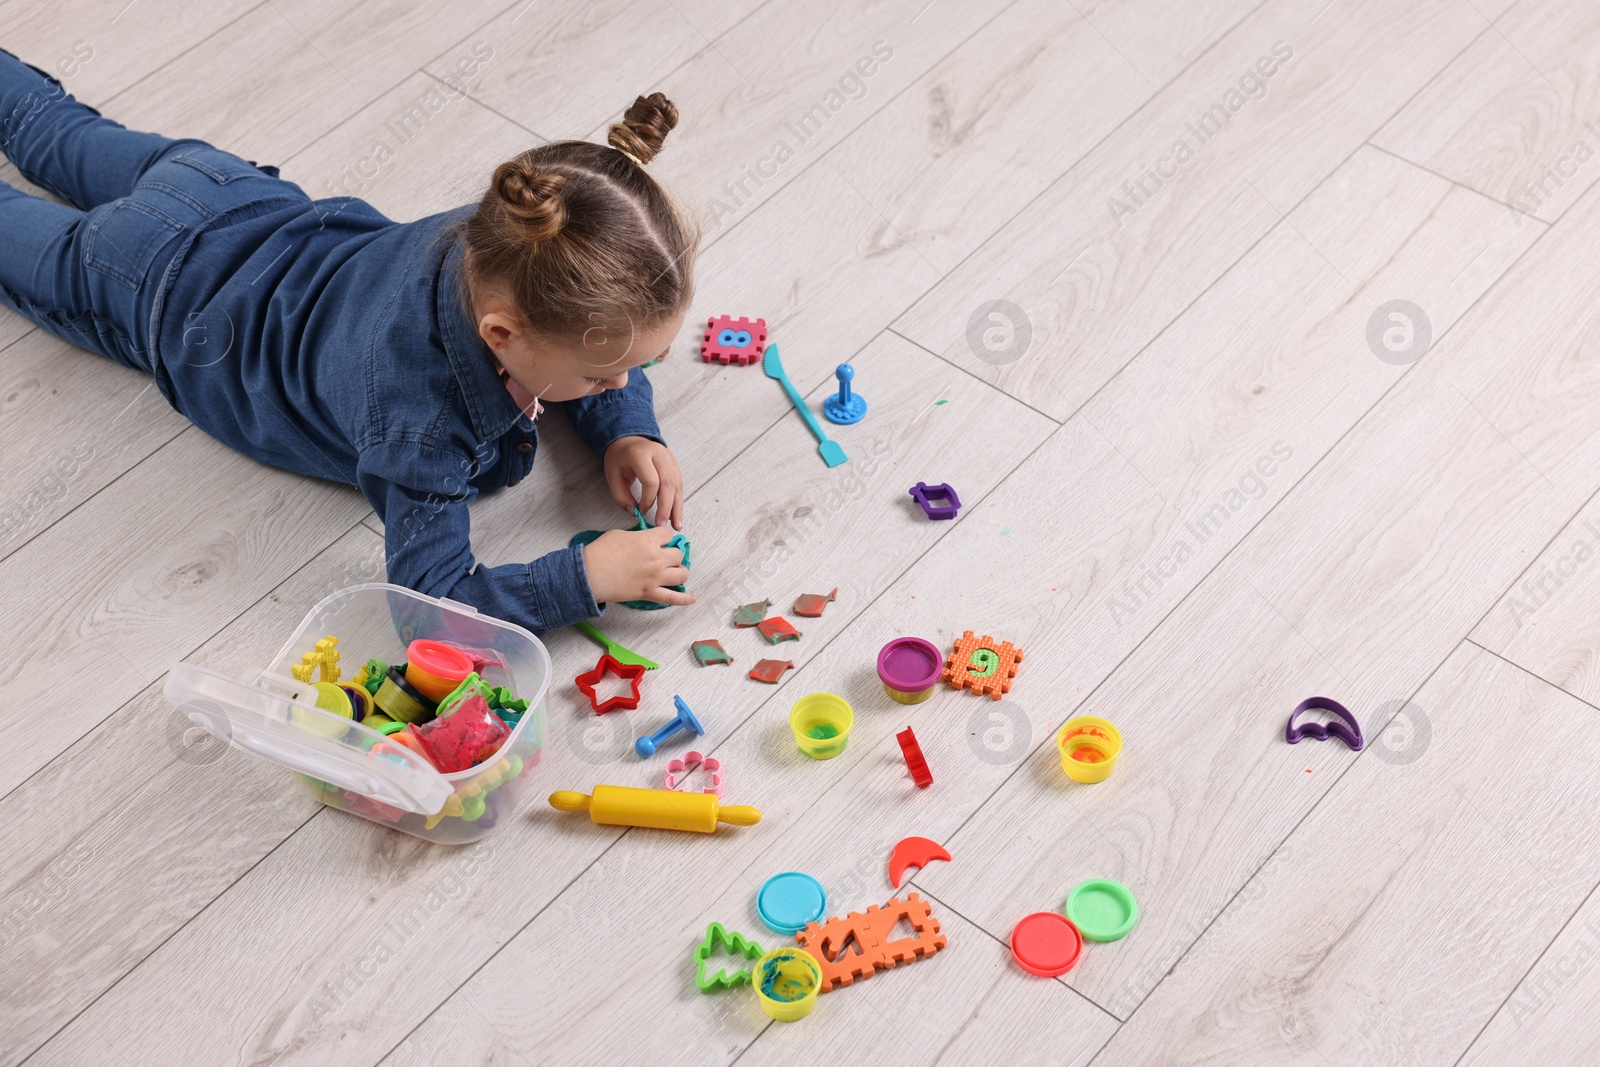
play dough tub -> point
(352, 766)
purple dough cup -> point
(909, 668)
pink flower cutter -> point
(690, 760)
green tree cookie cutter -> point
(732, 942)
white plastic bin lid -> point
(271, 718)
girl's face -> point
(540, 368)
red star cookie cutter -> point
(633, 675)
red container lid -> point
(1046, 943)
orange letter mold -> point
(983, 665)
(867, 934)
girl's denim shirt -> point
(327, 339)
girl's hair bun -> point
(644, 127)
(532, 198)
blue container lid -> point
(790, 901)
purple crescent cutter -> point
(909, 669)
(1350, 735)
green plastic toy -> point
(732, 942)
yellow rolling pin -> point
(660, 809)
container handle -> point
(268, 718)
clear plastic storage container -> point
(276, 717)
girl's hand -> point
(648, 462)
(635, 565)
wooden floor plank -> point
(98, 48)
(172, 821)
(97, 594)
(1081, 304)
(1517, 115)
(560, 69)
(1377, 605)
(283, 74)
(1407, 879)
(418, 149)
(1544, 622)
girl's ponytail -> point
(643, 128)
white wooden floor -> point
(1195, 494)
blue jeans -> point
(90, 274)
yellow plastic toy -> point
(329, 697)
(787, 981)
(323, 655)
(660, 809)
(1089, 746)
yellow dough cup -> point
(821, 723)
(1089, 746)
(787, 981)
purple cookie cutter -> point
(1317, 731)
(925, 495)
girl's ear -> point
(498, 329)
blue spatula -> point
(832, 451)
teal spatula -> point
(614, 650)
(832, 451)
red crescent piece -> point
(913, 852)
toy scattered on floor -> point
(678, 541)
(1089, 747)
(324, 655)
(832, 452)
(791, 901)
(859, 945)
(750, 614)
(845, 407)
(686, 766)
(770, 670)
(787, 981)
(915, 852)
(658, 809)
(915, 763)
(1350, 735)
(810, 605)
(614, 650)
(1046, 944)
(910, 669)
(708, 652)
(434, 668)
(982, 664)
(1101, 909)
(731, 942)
(777, 630)
(733, 341)
(821, 723)
(936, 501)
(684, 720)
(589, 681)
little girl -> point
(408, 359)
